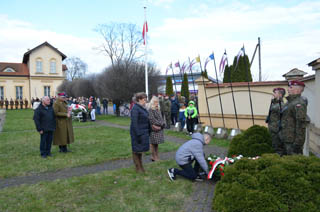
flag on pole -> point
(183, 67)
(241, 53)
(169, 67)
(144, 32)
(191, 64)
(223, 62)
(206, 62)
(198, 59)
(177, 64)
(211, 56)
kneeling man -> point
(189, 152)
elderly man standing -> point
(293, 119)
(64, 131)
(45, 122)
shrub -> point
(255, 141)
(271, 183)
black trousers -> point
(190, 124)
(188, 171)
(174, 118)
(45, 143)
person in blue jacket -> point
(45, 122)
(139, 130)
(174, 109)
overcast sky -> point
(178, 29)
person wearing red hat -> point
(274, 117)
(64, 131)
(293, 119)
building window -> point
(1, 92)
(19, 93)
(47, 90)
(8, 70)
(39, 66)
(53, 66)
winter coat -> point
(192, 149)
(174, 106)
(44, 118)
(139, 129)
(191, 110)
(167, 106)
(156, 136)
(64, 131)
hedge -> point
(255, 141)
(270, 183)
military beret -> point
(279, 89)
(62, 94)
(296, 82)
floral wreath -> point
(217, 165)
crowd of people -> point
(286, 123)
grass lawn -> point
(20, 154)
(124, 121)
(112, 191)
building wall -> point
(260, 95)
(38, 83)
(46, 54)
(10, 83)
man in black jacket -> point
(45, 122)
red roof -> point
(243, 84)
(20, 69)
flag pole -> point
(146, 50)
(205, 91)
(174, 80)
(215, 68)
(194, 87)
(234, 102)
(247, 75)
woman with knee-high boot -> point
(157, 126)
(139, 130)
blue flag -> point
(211, 56)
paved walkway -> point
(200, 201)
(2, 118)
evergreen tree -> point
(185, 86)
(239, 73)
(169, 87)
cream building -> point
(39, 74)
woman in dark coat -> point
(139, 130)
(157, 125)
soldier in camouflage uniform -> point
(167, 111)
(293, 119)
(273, 119)
(1, 103)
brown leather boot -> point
(140, 166)
(135, 158)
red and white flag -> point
(144, 32)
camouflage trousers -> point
(277, 144)
(167, 119)
(292, 149)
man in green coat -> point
(167, 111)
(293, 119)
(273, 119)
(191, 114)
(64, 131)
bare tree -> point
(76, 68)
(122, 43)
(120, 84)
